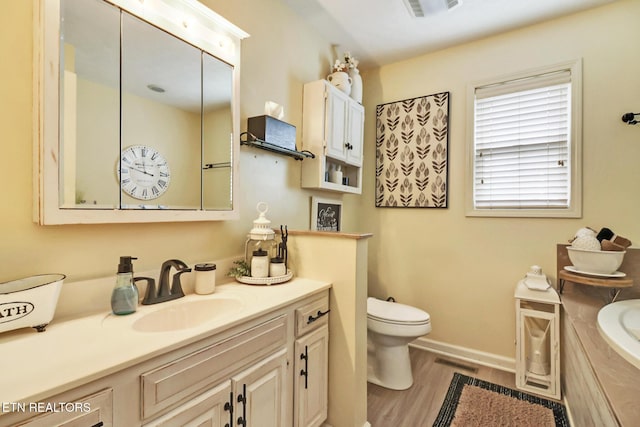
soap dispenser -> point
(124, 298)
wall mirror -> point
(138, 112)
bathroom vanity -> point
(599, 386)
(258, 358)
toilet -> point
(390, 328)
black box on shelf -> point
(273, 131)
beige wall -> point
(277, 59)
(463, 270)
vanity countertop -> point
(619, 379)
(75, 351)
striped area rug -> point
(471, 402)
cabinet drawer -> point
(170, 384)
(90, 411)
(312, 315)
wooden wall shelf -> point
(630, 266)
(615, 284)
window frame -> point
(574, 210)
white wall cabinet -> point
(243, 377)
(344, 122)
(333, 129)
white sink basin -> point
(188, 314)
(619, 324)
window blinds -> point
(521, 148)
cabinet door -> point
(260, 393)
(211, 408)
(311, 369)
(355, 133)
(336, 122)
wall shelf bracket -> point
(252, 141)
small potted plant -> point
(339, 77)
(350, 62)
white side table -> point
(538, 341)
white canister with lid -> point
(260, 264)
(277, 267)
(205, 278)
(335, 176)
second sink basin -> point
(185, 315)
(619, 324)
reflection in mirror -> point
(217, 133)
(89, 104)
(146, 119)
(161, 111)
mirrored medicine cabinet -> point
(137, 112)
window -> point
(524, 144)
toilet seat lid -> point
(395, 312)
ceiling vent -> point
(422, 8)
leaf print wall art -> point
(412, 150)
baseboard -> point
(467, 354)
(568, 408)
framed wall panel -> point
(412, 150)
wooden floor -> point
(419, 405)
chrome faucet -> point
(164, 293)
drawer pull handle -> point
(242, 421)
(318, 315)
(228, 406)
(305, 372)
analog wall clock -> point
(143, 172)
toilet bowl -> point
(390, 328)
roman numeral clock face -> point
(143, 172)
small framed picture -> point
(326, 214)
